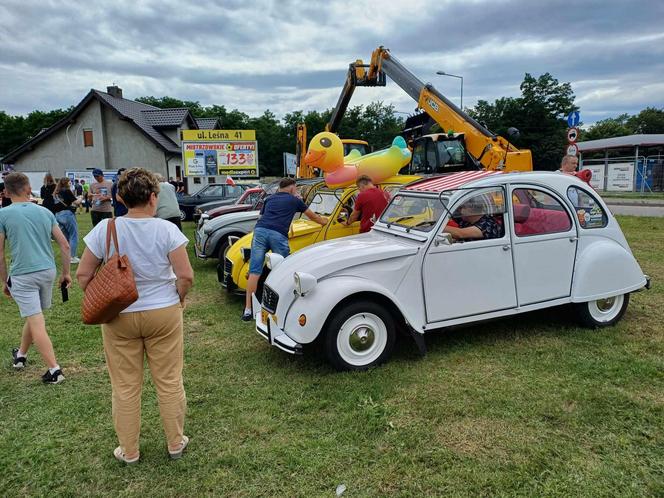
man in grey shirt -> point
(168, 207)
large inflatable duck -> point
(326, 152)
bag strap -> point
(111, 233)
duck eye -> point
(325, 142)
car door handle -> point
(573, 239)
(506, 248)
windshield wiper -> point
(421, 224)
(403, 218)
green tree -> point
(538, 114)
(649, 120)
(607, 128)
(15, 130)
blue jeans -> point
(69, 226)
(264, 240)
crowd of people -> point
(146, 216)
(151, 327)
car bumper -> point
(268, 329)
(199, 244)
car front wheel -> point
(359, 336)
(603, 312)
(183, 215)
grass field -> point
(527, 406)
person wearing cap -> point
(475, 223)
(100, 197)
(119, 209)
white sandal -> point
(121, 457)
(175, 455)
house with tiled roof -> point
(109, 132)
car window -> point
(324, 203)
(588, 210)
(411, 212)
(234, 191)
(483, 209)
(537, 213)
(253, 198)
(213, 190)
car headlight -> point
(246, 253)
(272, 260)
(304, 282)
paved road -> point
(636, 208)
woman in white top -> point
(152, 326)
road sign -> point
(290, 164)
(573, 119)
(572, 135)
(572, 150)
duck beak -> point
(314, 157)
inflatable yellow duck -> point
(326, 152)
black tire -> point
(183, 214)
(222, 249)
(602, 312)
(359, 336)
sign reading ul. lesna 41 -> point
(220, 152)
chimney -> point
(114, 91)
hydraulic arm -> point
(492, 151)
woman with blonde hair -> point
(152, 326)
(64, 207)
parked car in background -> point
(243, 203)
(334, 204)
(214, 192)
(212, 235)
(552, 241)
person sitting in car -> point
(474, 223)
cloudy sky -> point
(293, 54)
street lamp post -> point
(443, 73)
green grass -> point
(528, 406)
(658, 196)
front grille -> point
(270, 299)
(228, 266)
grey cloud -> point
(295, 53)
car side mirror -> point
(443, 238)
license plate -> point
(264, 316)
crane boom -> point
(489, 149)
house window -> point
(87, 138)
(197, 179)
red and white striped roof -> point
(449, 182)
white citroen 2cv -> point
(450, 250)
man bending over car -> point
(271, 232)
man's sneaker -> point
(74, 260)
(247, 316)
(19, 363)
(53, 378)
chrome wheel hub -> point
(605, 305)
(361, 338)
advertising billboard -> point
(220, 152)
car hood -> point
(331, 256)
(229, 218)
(233, 208)
(192, 200)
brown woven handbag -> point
(113, 288)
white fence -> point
(627, 174)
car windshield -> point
(411, 212)
(324, 203)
